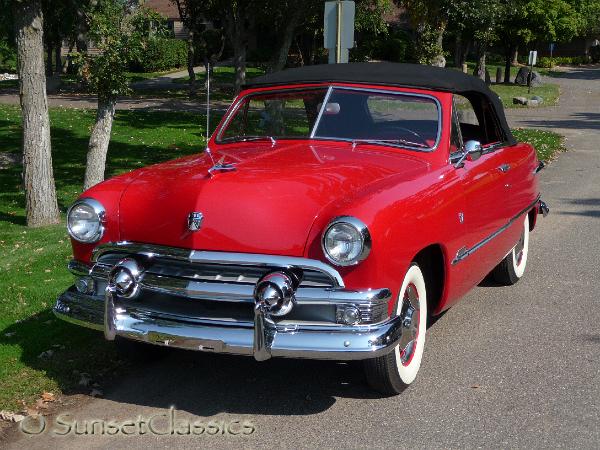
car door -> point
(486, 191)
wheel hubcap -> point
(410, 324)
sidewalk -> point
(165, 81)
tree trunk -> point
(38, 178)
(458, 47)
(99, 140)
(480, 68)
(190, 62)
(281, 53)
(508, 62)
(515, 56)
(58, 57)
(465, 52)
(239, 63)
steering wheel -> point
(398, 129)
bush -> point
(161, 54)
(546, 63)
(595, 53)
(8, 57)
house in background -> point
(169, 9)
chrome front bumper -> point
(173, 284)
(337, 342)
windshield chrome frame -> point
(330, 88)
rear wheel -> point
(512, 267)
(394, 372)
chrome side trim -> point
(464, 252)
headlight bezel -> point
(100, 212)
(362, 231)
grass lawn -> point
(549, 92)
(223, 75)
(546, 143)
(132, 77)
(33, 261)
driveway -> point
(505, 368)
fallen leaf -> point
(475, 386)
(11, 417)
(48, 397)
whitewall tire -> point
(392, 373)
(512, 267)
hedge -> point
(162, 54)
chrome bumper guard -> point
(267, 335)
(543, 208)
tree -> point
(478, 19)
(38, 178)
(524, 23)
(429, 19)
(111, 26)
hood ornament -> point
(194, 222)
(221, 166)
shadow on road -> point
(583, 73)
(578, 121)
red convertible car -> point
(335, 210)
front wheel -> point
(394, 372)
(512, 267)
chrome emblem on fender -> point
(194, 222)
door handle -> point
(504, 168)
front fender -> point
(403, 218)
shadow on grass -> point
(61, 352)
(199, 383)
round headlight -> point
(346, 241)
(85, 220)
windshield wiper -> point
(356, 142)
(250, 138)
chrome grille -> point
(222, 273)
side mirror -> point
(473, 150)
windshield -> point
(357, 115)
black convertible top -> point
(391, 74)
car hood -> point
(266, 205)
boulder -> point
(533, 103)
(538, 99)
(536, 78)
(522, 75)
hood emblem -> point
(194, 221)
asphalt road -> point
(505, 368)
